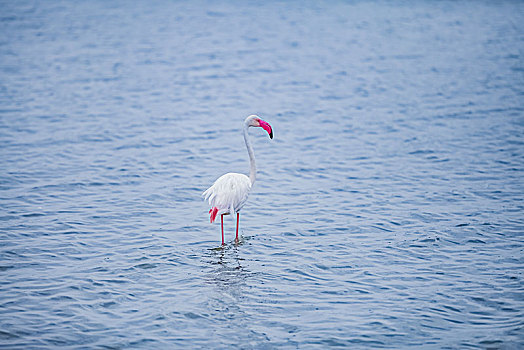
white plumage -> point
(229, 193)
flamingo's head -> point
(254, 120)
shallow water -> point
(387, 211)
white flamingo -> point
(230, 191)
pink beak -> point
(265, 125)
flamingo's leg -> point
(238, 218)
(222, 226)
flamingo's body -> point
(230, 191)
(228, 194)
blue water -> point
(388, 210)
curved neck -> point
(253, 167)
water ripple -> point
(387, 212)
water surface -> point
(387, 211)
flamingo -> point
(230, 191)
